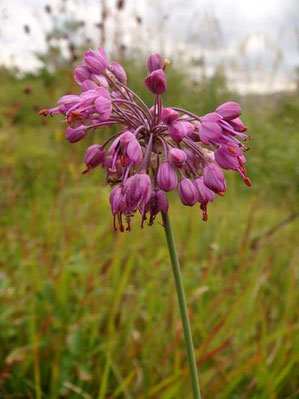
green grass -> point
(89, 313)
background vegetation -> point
(89, 313)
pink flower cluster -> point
(157, 149)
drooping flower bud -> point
(214, 178)
(118, 205)
(117, 200)
(103, 103)
(177, 157)
(167, 178)
(156, 82)
(81, 73)
(187, 192)
(154, 62)
(134, 152)
(100, 80)
(227, 158)
(158, 202)
(178, 130)
(118, 71)
(169, 115)
(96, 62)
(75, 134)
(205, 195)
(88, 85)
(94, 156)
(229, 110)
(138, 190)
(238, 125)
(209, 130)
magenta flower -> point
(156, 82)
(157, 149)
(154, 62)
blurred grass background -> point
(89, 313)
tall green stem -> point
(183, 307)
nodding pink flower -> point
(103, 103)
(229, 110)
(118, 71)
(178, 130)
(114, 170)
(138, 190)
(157, 203)
(154, 62)
(118, 205)
(156, 82)
(214, 178)
(167, 178)
(134, 152)
(131, 149)
(209, 130)
(100, 80)
(96, 62)
(94, 156)
(177, 157)
(81, 73)
(154, 145)
(169, 115)
(187, 192)
(75, 134)
(88, 85)
(229, 157)
(205, 195)
(238, 125)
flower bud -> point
(238, 125)
(158, 202)
(138, 190)
(103, 103)
(228, 158)
(156, 82)
(99, 80)
(209, 132)
(154, 62)
(94, 156)
(177, 157)
(118, 71)
(178, 130)
(214, 178)
(75, 134)
(205, 195)
(96, 62)
(229, 110)
(134, 152)
(167, 178)
(187, 192)
(88, 85)
(81, 73)
(169, 115)
(117, 200)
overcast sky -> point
(255, 40)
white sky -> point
(255, 40)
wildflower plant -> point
(156, 150)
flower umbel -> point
(156, 150)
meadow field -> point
(91, 313)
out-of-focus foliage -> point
(89, 313)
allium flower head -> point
(156, 149)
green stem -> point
(182, 303)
